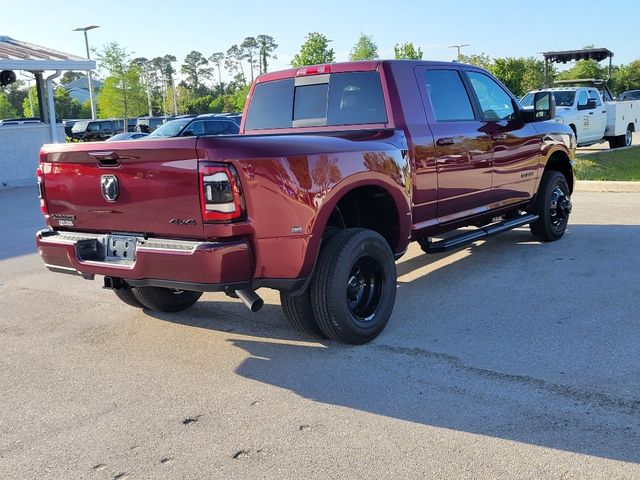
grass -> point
(612, 165)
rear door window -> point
(331, 99)
(449, 98)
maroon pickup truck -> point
(337, 168)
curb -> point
(602, 186)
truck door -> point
(598, 114)
(462, 146)
(515, 144)
(586, 116)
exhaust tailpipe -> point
(251, 299)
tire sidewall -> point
(355, 330)
(556, 179)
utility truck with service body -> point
(337, 168)
(593, 115)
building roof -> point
(18, 55)
(83, 84)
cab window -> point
(594, 95)
(495, 103)
(582, 98)
(449, 99)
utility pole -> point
(459, 47)
(86, 43)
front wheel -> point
(353, 290)
(166, 299)
(553, 206)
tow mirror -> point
(544, 105)
(590, 105)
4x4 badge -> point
(110, 187)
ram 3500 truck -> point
(337, 168)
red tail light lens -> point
(221, 197)
(40, 176)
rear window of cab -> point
(320, 100)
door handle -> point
(500, 136)
(590, 113)
(445, 141)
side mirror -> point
(590, 105)
(544, 106)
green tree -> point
(364, 49)
(266, 47)
(584, 69)
(30, 106)
(6, 109)
(66, 106)
(406, 51)
(233, 63)
(250, 48)
(122, 94)
(217, 59)
(196, 70)
(314, 50)
(626, 77)
(483, 60)
(68, 77)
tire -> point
(166, 299)
(553, 206)
(298, 311)
(353, 289)
(621, 141)
(128, 296)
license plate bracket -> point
(121, 248)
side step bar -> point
(466, 238)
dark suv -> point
(208, 124)
(149, 124)
(94, 130)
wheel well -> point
(367, 207)
(632, 127)
(559, 162)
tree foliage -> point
(406, 51)
(520, 75)
(314, 50)
(364, 49)
(196, 70)
(626, 77)
(266, 47)
(6, 109)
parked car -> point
(149, 124)
(629, 95)
(316, 197)
(208, 124)
(19, 121)
(127, 136)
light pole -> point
(459, 47)
(86, 43)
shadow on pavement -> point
(20, 216)
(535, 343)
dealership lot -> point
(509, 359)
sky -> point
(497, 28)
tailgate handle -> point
(106, 158)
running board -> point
(466, 238)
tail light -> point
(221, 197)
(40, 177)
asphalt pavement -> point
(508, 359)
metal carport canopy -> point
(19, 55)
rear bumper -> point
(193, 265)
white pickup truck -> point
(592, 119)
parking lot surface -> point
(508, 359)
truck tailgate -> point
(142, 186)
